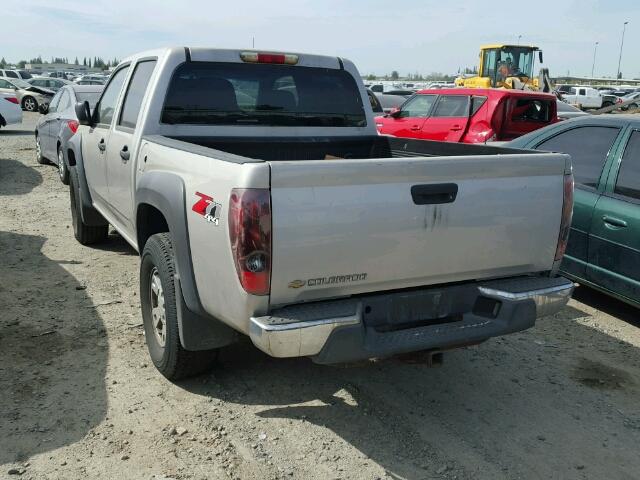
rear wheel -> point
(607, 104)
(85, 234)
(63, 172)
(159, 313)
(39, 157)
(30, 104)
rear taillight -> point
(262, 57)
(12, 100)
(250, 235)
(567, 214)
(73, 125)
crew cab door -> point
(449, 119)
(409, 120)
(96, 138)
(614, 242)
(121, 149)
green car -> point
(604, 243)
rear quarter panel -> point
(221, 294)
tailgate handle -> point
(434, 194)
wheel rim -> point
(158, 313)
(38, 148)
(61, 166)
(30, 104)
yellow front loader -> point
(508, 66)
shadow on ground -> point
(53, 352)
(608, 304)
(23, 179)
(7, 132)
(539, 404)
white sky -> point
(379, 36)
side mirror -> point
(83, 112)
(395, 112)
(540, 57)
(43, 108)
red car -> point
(470, 115)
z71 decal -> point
(206, 207)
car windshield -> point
(91, 97)
(19, 83)
(25, 74)
(565, 107)
(214, 93)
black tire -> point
(85, 234)
(63, 171)
(633, 106)
(607, 104)
(29, 104)
(39, 157)
(171, 359)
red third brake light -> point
(263, 57)
(250, 235)
(73, 125)
(12, 100)
(567, 214)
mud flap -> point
(198, 332)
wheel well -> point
(71, 157)
(149, 221)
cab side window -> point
(135, 93)
(588, 147)
(452, 106)
(107, 106)
(628, 182)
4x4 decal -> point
(206, 207)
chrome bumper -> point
(304, 330)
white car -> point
(19, 74)
(10, 111)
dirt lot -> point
(79, 398)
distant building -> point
(573, 80)
(60, 67)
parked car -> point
(53, 84)
(566, 111)
(252, 217)
(470, 115)
(10, 111)
(376, 106)
(585, 97)
(59, 123)
(389, 102)
(634, 105)
(17, 74)
(564, 89)
(604, 243)
(30, 96)
(91, 80)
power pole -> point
(624, 27)
(593, 67)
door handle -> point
(124, 153)
(415, 127)
(456, 128)
(102, 146)
(435, 193)
(614, 222)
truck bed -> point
(251, 149)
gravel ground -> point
(80, 399)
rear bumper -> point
(399, 322)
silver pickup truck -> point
(263, 203)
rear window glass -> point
(91, 97)
(208, 93)
(530, 110)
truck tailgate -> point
(343, 227)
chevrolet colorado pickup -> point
(263, 202)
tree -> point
(76, 61)
(371, 76)
(3, 62)
(84, 61)
(395, 75)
